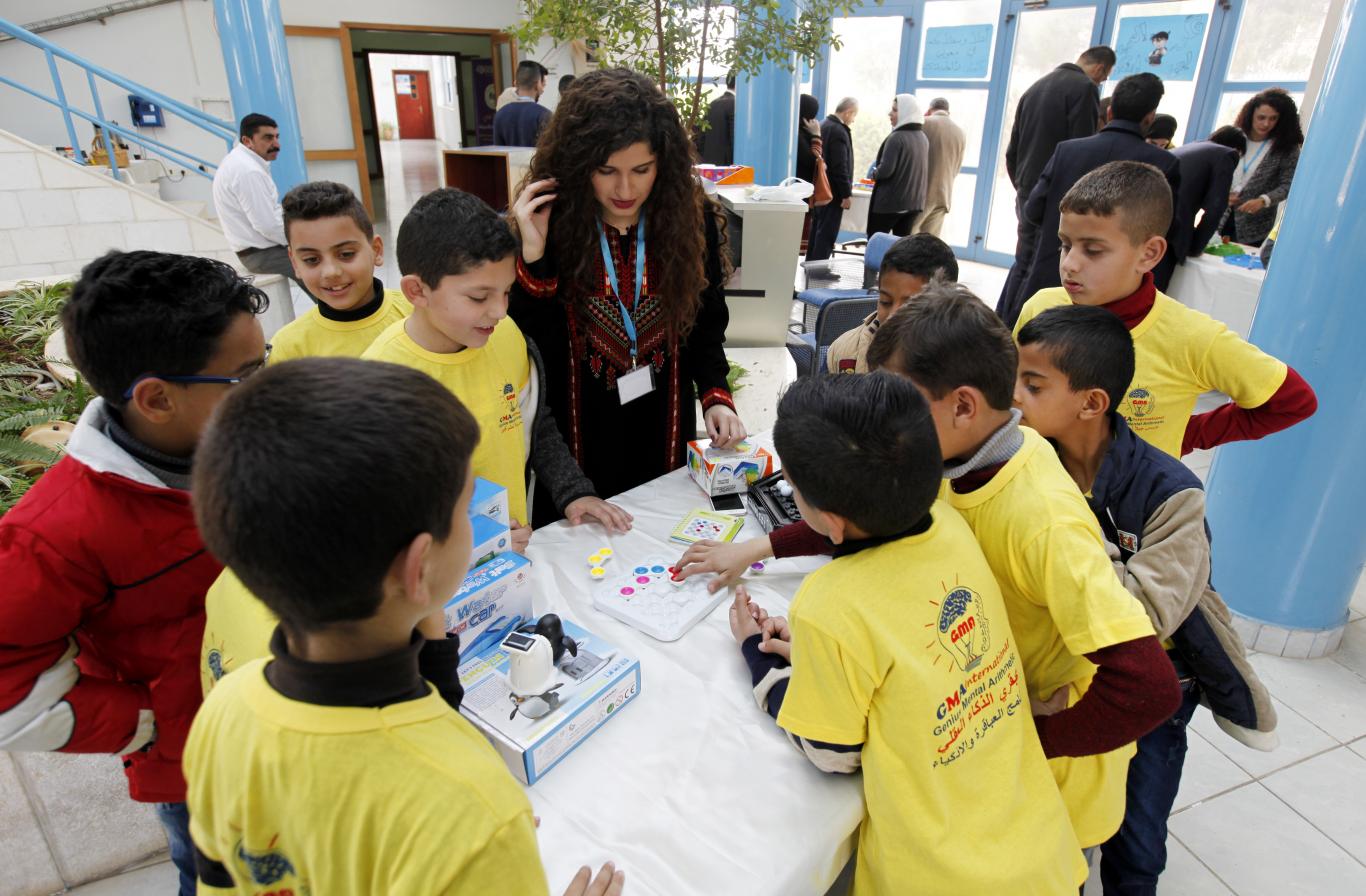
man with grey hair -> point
(947, 143)
(839, 168)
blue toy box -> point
(491, 500)
(590, 688)
(493, 597)
(491, 538)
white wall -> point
(445, 116)
(172, 48)
(445, 13)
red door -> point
(413, 97)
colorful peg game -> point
(642, 599)
(706, 525)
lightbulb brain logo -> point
(1141, 402)
(963, 629)
(265, 867)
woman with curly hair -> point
(1261, 179)
(620, 282)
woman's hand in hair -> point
(532, 211)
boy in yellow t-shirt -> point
(937, 719)
(1111, 232)
(1096, 671)
(356, 702)
(335, 252)
(458, 260)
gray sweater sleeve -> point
(549, 457)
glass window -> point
(958, 222)
(865, 68)
(1178, 93)
(968, 109)
(1276, 40)
(965, 52)
(1231, 103)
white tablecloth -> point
(1224, 291)
(691, 789)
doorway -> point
(413, 105)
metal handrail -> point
(217, 127)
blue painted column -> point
(1288, 512)
(766, 115)
(252, 35)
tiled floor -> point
(1245, 823)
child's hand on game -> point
(1056, 703)
(609, 882)
(521, 536)
(727, 561)
(746, 616)
(723, 426)
(591, 507)
(777, 637)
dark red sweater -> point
(1293, 401)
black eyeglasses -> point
(194, 379)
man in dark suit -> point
(717, 146)
(1062, 105)
(838, 152)
(1206, 179)
(1036, 261)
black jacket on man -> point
(718, 140)
(1206, 178)
(1036, 260)
(839, 157)
(1062, 105)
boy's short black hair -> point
(565, 82)
(1102, 55)
(1090, 346)
(1230, 136)
(449, 232)
(314, 474)
(252, 123)
(530, 73)
(947, 338)
(921, 255)
(133, 313)
(1136, 96)
(324, 199)
(863, 447)
(1135, 191)
(1163, 126)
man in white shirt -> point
(247, 200)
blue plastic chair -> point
(816, 299)
(835, 318)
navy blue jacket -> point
(1206, 178)
(1151, 507)
(519, 123)
(1036, 253)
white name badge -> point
(636, 382)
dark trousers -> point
(175, 818)
(1012, 300)
(825, 229)
(898, 223)
(1132, 860)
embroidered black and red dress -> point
(585, 350)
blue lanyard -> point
(1249, 163)
(611, 269)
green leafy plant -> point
(674, 42)
(29, 393)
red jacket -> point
(102, 614)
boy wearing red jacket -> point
(102, 601)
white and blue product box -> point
(493, 598)
(491, 500)
(593, 687)
(491, 538)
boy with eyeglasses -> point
(102, 601)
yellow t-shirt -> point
(340, 800)
(315, 336)
(237, 629)
(1180, 354)
(905, 648)
(1045, 548)
(488, 381)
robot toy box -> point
(541, 690)
(492, 597)
(727, 471)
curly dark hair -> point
(1287, 131)
(607, 111)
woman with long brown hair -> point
(620, 282)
